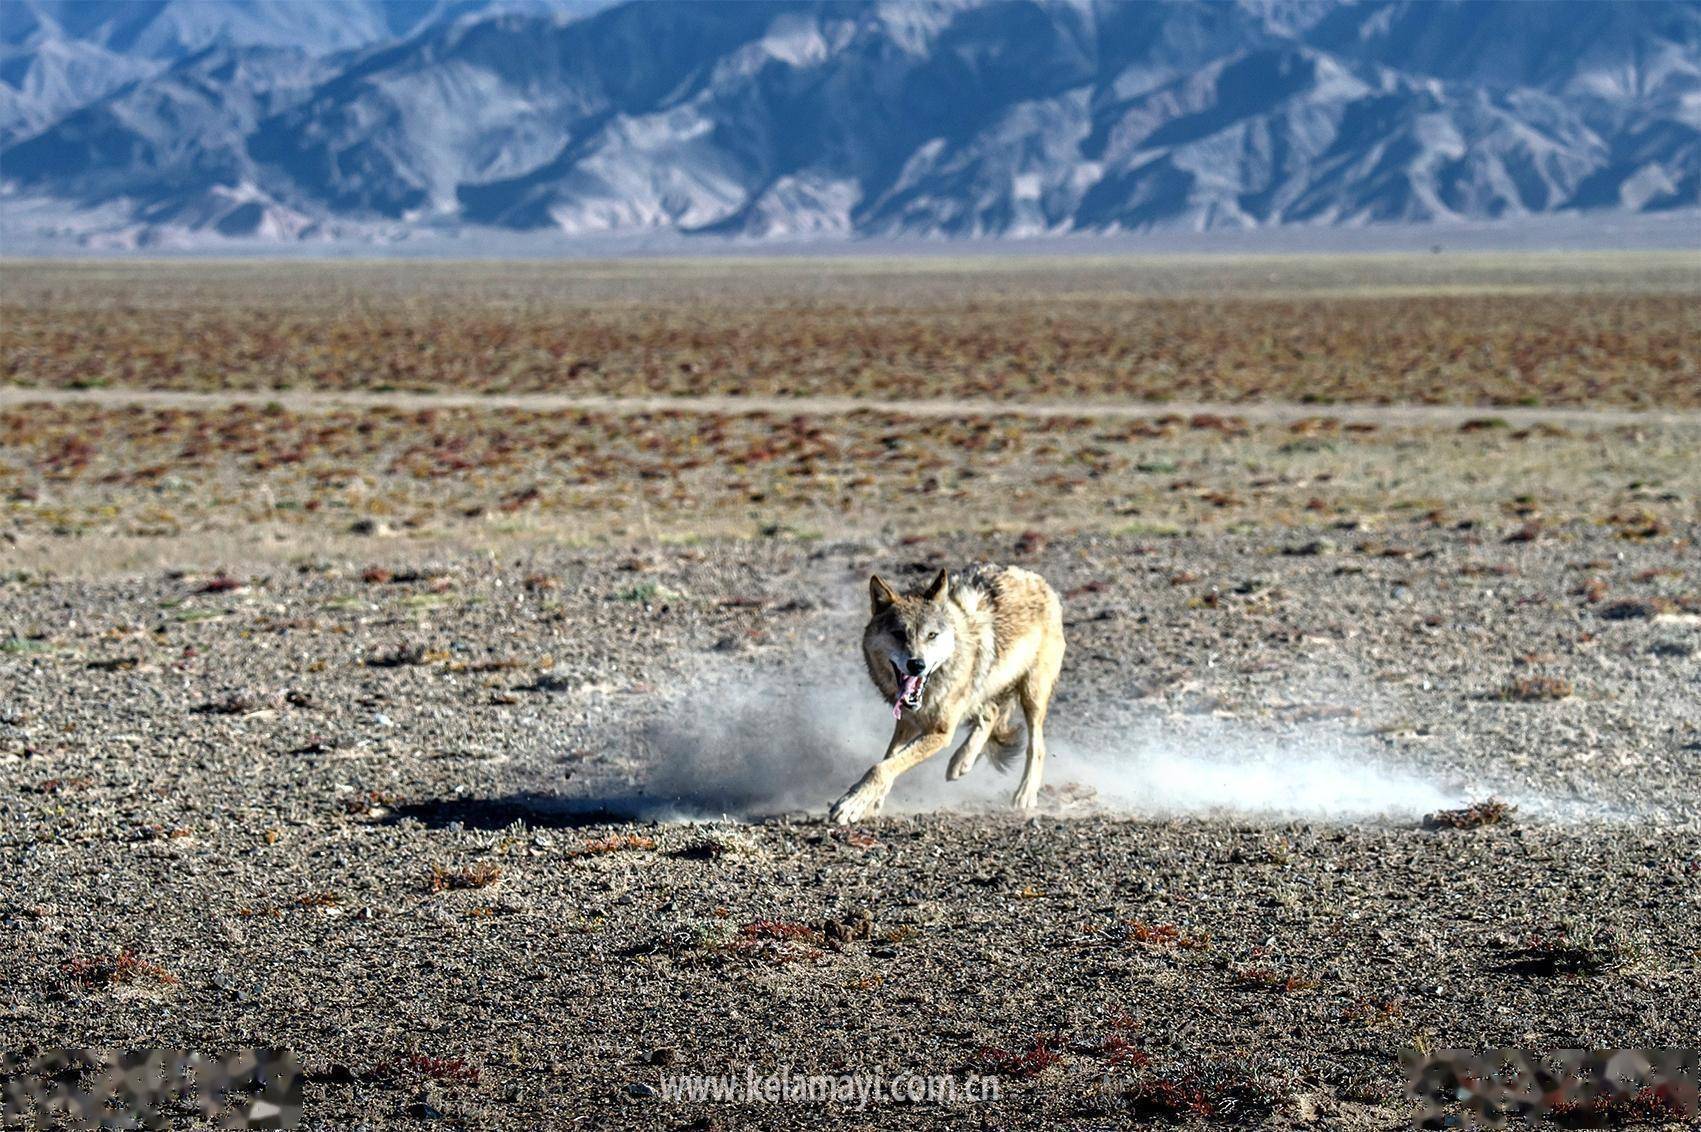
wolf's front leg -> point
(910, 745)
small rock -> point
(638, 1089)
(421, 1108)
(663, 1055)
(1629, 611)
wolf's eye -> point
(933, 636)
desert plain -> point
(442, 671)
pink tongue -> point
(910, 684)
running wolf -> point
(965, 650)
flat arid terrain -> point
(443, 672)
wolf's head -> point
(913, 635)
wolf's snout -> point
(915, 666)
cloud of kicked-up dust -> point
(796, 739)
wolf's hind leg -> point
(980, 730)
(1033, 771)
(1035, 694)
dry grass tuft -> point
(1267, 978)
(481, 875)
(115, 970)
(1167, 935)
(403, 656)
(1537, 690)
(616, 843)
(1490, 811)
(1025, 1064)
(420, 1066)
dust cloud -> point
(750, 744)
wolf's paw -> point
(1026, 797)
(859, 803)
(961, 763)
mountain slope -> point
(956, 118)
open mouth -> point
(909, 691)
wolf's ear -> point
(880, 594)
(940, 588)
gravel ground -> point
(422, 821)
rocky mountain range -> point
(153, 122)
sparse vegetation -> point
(1072, 334)
(1167, 935)
(718, 843)
(1025, 1063)
(357, 717)
(1213, 1093)
(481, 875)
(1537, 690)
(421, 1066)
(1489, 811)
(615, 843)
(120, 969)
(1260, 977)
(163, 471)
(1662, 1106)
(233, 703)
(777, 941)
(1560, 951)
(402, 656)
(1065, 331)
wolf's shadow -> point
(537, 810)
(736, 747)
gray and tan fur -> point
(967, 649)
